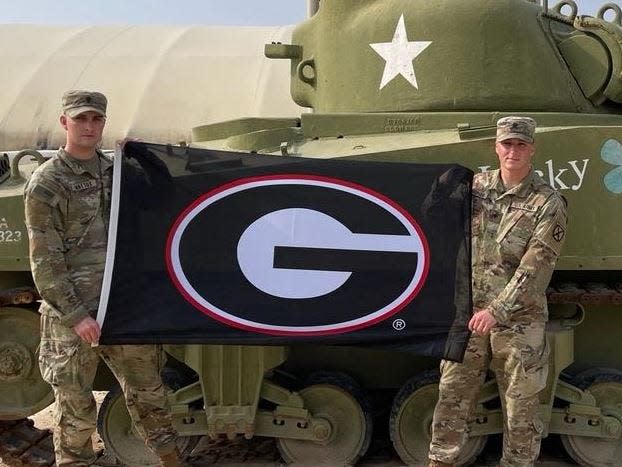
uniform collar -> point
(76, 167)
(522, 190)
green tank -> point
(420, 81)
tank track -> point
(22, 444)
(590, 293)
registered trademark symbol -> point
(399, 324)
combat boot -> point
(434, 463)
(172, 459)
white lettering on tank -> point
(557, 176)
(580, 173)
(10, 236)
(554, 179)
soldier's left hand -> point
(482, 322)
(88, 329)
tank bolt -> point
(612, 428)
(321, 432)
(231, 431)
(15, 362)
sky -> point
(211, 12)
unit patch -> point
(559, 232)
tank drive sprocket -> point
(411, 421)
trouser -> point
(69, 365)
(519, 359)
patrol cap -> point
(516, 127)
(76, 102)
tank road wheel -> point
(337, 398)
(120, 438)
(22, 390)
(410, 424)
(606, 387)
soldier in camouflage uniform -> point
(518, 228)
(67, 204)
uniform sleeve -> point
(531, 278)
(47, 259)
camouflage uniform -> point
(67, 210)
(517, 235)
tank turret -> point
(446, 56)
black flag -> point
(231, 248)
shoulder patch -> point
(44, 194)
(555, 235)
(558, 233)
(554, 226)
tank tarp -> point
(160, 80)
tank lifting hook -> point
(15, 175)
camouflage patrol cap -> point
(76, 102)
(516, 127)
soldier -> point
(518, 228)
(67, 203)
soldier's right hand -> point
(482, 322)
(88, 329)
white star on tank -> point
(399, 55)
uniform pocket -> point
(535, 369)
(514, 233)
(59, 353)
(58, 362)
(81, 212)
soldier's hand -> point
(120, 143)
(88, 330)
(482, 322)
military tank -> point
(386, 81)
